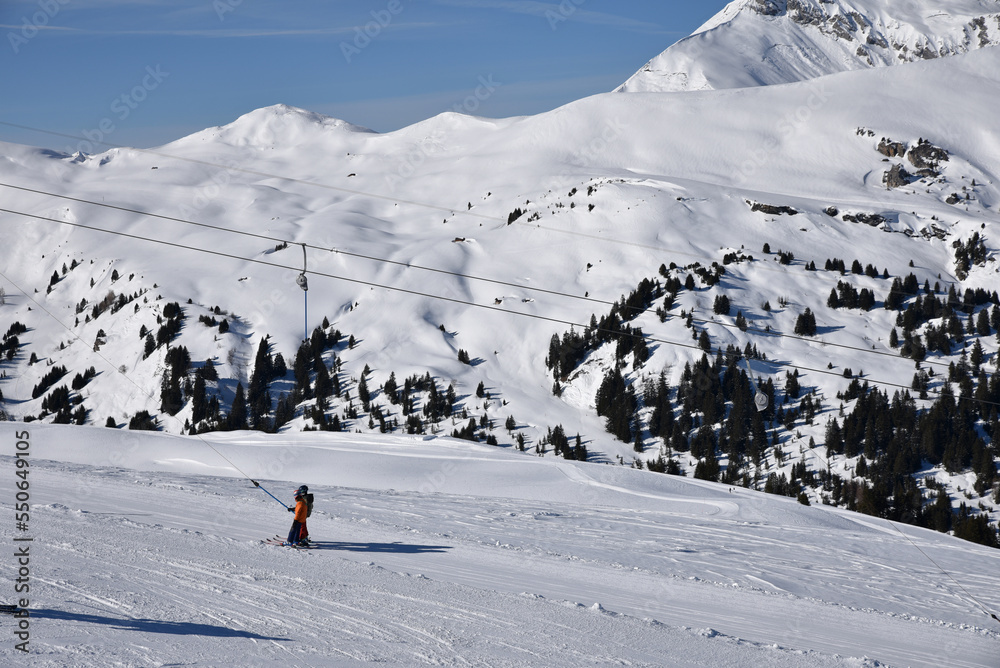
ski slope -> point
(433, 551)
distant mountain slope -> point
(768, 197)
(766, 42)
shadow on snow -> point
(149, 625)
(397, 548)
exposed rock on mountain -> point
(766, 42)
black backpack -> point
(309, 505)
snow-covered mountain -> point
(766, 42)
(460, 269)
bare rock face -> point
(926, 155)
(805, 13)
(891, 149)
(768, 42)
(896, 177)
(772, 209)
(872, 219)
(767, 7)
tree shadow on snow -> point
(397, 548)
(149, 625)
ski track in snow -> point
(134, 568)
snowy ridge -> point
(767, 42)
(278, 124)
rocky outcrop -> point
(891, 149)
(806, 39)
(896, 177)
(772, 209)
(872, 219)
(923, 155)
(926, 155)
(766, 7)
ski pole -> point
(258, 485)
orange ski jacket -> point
(300, 510)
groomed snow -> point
(431, 551)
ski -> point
(281, 542)
(9, 609)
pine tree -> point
(363, 394)
(238, 414)
(792, 388)
(283, 413)
(279, 368)
(323, 386)
(704, 342)
(303, 361)
(983, 323)
(209, 371)
(805, 324)
(390, 389)
(721, 305)
(171, 400)
(198, 399)
(258, 400)
(616, 402)
(661, 420)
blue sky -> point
(145, 72)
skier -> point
(301, 510)
(304, 534)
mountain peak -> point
(276, 124)
(766, 42)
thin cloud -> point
(554, 11)
(224, 32)
(19, 27)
